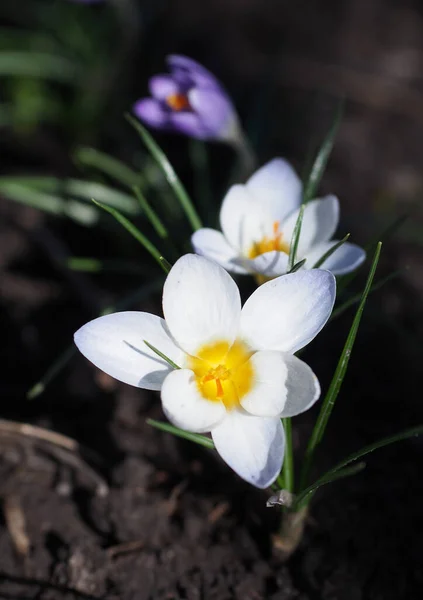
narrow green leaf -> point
(199, 158)
(110, 166)
(387, 441)
(60, 188)
(322, 158)
(298, 266)
(341, 369)
(340, 467)
(331, 250)
(64, 358)
(385, 234)
(288, 462)
(202, 440)
(150, 213)
(135, 297)
(305, 496)
(55, 368)
(94, 265)
(295, 240)
(169, 172)
(52, 204)
(165, 264)
(86, 265)
(38, 64)
(163, 356)
(356, 298)
(135, 232)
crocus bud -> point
(191, 101)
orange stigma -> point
(218, 374)
(268, 244)
(177, 102)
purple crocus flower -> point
(189, 100)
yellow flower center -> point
(223, 372)
(269, 243)
(178, 102)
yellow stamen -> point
(177, 102)
(223, 373)
(269, 243)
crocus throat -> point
(269, 243)
(178, 102)
(223, 372)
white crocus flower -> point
(238, 374)
(258, 220)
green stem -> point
(288, 465)
(247, 158)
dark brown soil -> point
(176, 523)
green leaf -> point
(331, 250)
(163, 356)
(150, 214)
(356, 298)
(52, 204)
(387, 441)
(320, 162)
(199, 159)
(38, 64)
(169, 172)
(64, 357)
(55, 368)
(94, 265)
(60, 188)
(110, 166)
(202, 440)
(341, 369)
(385, 234)
(297, 266)
(136, 233)
(295, 240)
(304, 498)
(288, 462)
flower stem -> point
(247, 159)
(291, 532)
(288, 465)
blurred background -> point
(175, 523)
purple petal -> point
(214, 110)
(188, 70)
(162, 86)
(189, 124)
(151, 112)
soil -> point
(136, 514)
(174, 522)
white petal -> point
(286, 313)
(213, 245)
(302, 387)
(320, 221)
(284, 386)
(252, 446)
(201, 303)
(270, 264)
(243, 220)
(277, 188)
(115, 344)
(347, 258)
(185, 407)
